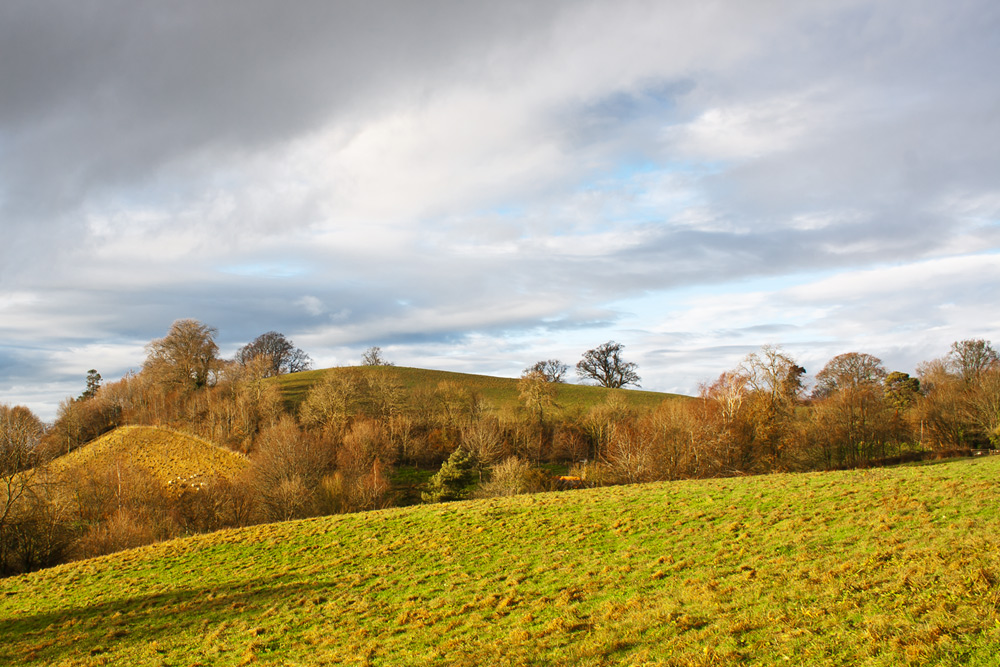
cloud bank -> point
(475, 186)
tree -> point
(537, 393)
(450, 482)
(551, 370)
(93, 384)
(968, 359)
(901, 390)
(20, 431)
(760, 423)
(185, 357)
(856, 420)
(850, 370)
(373, 357)
(605, 365)
(280, 354)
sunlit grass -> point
(499, 393)
(883, 567)
(169, 456)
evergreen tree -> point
(450, 482)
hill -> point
(172, 458)
(879, 567)
(499, 393)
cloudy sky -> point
(475, 186)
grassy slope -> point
(881, 567)
(167, 455)
(498, 392)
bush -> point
(452, 480)
(511, 477)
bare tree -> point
(280, 354)
(20, 431)
(968, 359)
(605, 365)
(552, 370)
(373, 357)
(851, 370)
(186, 356)
(537, 393)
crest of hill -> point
(169, 456)
(876, 567)
(498, 392)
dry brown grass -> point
(175, 460)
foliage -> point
(93, 384)
(604, 364)
(186, 357)
(537, 393)
(453, 479)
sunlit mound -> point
(175, 460)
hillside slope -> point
(169, 456)
(498, 392)
(881, 567)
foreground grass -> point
(882, 567)
(499, 393)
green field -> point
(498, 393)
(879, 567)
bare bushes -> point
(287, 469)
(511, 477)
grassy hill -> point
(498, 392)
(881, 567)
(169, 456)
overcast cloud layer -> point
(476, 186)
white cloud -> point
(496, 183)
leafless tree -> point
(186, 357)
(604, 364)
(20, 431)
(373, 357)
(279, 353)
(849, 371)
(968, 359)
(552, 370)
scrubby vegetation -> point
(348, 439)
(876, 567)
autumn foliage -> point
(338, 444)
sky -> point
(476, 186)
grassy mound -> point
(499, 393)
(174, 459)
(881, 567)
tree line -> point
(338, 449)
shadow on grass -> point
(130, 625)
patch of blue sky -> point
(265, 270)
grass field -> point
(169, 456)
(882, 567)
(498, 393)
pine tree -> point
(450, 482)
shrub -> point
(452, 480)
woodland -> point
(355, 438)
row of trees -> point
(337, 448)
